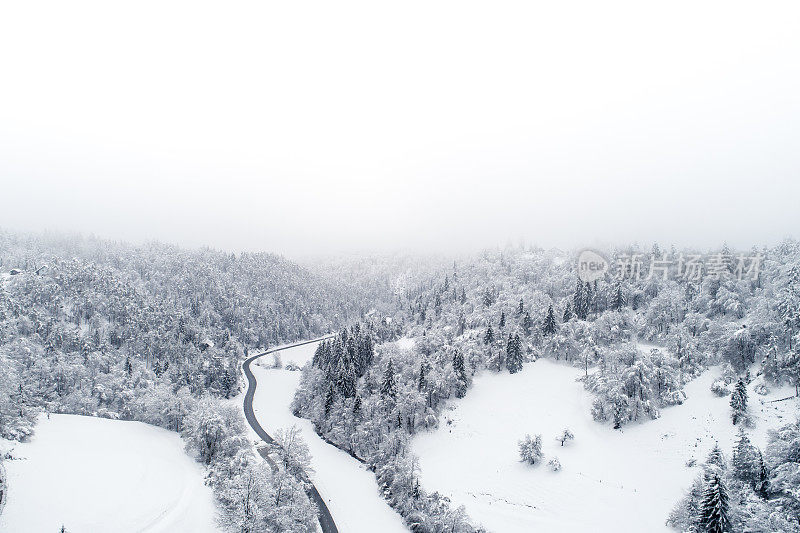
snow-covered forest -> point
(157, 334)
(505, 308)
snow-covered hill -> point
(94, 475)
(348, 488)
(620, 481)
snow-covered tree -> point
(565, 436)
(714, 506)
(530, 449)
(739, 402)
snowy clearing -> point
(348, 488)
(611, 480)
(95, 475)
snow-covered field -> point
(349, 489)
(620, 481)
(94, 475)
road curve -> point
(325, 519)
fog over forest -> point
(355, 127)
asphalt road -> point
(325, 519)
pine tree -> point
(513, 354)
(330, 398)
(579, 301)
(461, 374)
(388, 385)
(739, 402)
(463, 296)
(422, 380)
(346, 378)
(488, 338)
(714, 507)
(715, 457)
(618, 299)
(520, 307)
(745, 459)
(527, 323)
(589, 299)
(762, 479)
(502, 319)
(567, 313)
(549, 327)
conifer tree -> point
(762, 479)
(715, 457)
(513, 354)
(488, 338)
(714, 506)
(461, 374)
(739, 402)
(549, 327)
(579, 301)
(527, 323)
(618, 299)
(745, 459)
(422, 380)
(520, 307)
(588, 299)
(330, 398)
(388, 384)
(502, 319)
(567, 313)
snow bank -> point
(348, 488)
(610, 480)
(98, 475)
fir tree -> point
(549, 327)
(714, 506)
(388, 384)
(745, 459)
(330, 398)
(588, 299)
(461, 374)
(502, 319)
(579, 301)
(567, 313)
(527, 323)
(513, 354)
(715, 457)
(422, 380)
(520, 307)
(618, 299)
(739, 402)
(762, 479)
(488, 338)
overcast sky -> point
(303, 127)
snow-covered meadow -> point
(348, 488)
(94, 475)
(620, 481)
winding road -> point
(325, 519)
